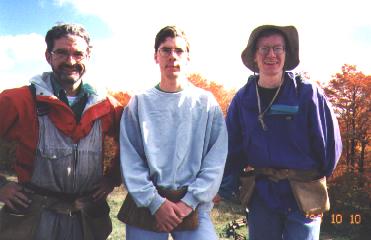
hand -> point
(217, 199)
(167, 216)
(11, 195)
(102, 189)
(184, 209)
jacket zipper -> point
(75, 157)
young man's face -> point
(270, 54)
(68, 59)
(172, 57)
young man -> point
(174, 143)
(284, 140)
(59, 124)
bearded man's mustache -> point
(76, 67)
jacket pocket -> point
(55, 153)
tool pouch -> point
(247, 188)
(311, 196)
(141, 217)
(21, 224)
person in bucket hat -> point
(280, 128)
(291, 37)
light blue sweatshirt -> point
(173, 140)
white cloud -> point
(218, 31)
(114, 68)
(21, 57)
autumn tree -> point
(122, 97)
(350, 93)
(222, 95)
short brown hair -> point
(169, 31)
(62, 30)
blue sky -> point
(331, 33)
(37, 16)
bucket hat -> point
(292, 46)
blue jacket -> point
(303, 133)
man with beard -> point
(59, 124)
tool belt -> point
(308, 187)
(141, 217)
(59, 202)
(22, 224)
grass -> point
(221, 215)
(115, 200)
(226, 212)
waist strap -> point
(172, 195)
(290, 174)
(67, 197)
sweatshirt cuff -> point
(156, 203)
(190, 200)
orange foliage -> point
(223, 96)
(350, 93)
(110, 146)
(122, 97)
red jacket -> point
(19, 123)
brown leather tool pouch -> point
(141, 217)
(20, 225)
(311, 196)
(247, 188)
(96, 221)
